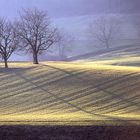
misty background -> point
(73, 16)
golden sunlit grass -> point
(125, 60)
(69, 93)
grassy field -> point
(126, 55)
(78, 93)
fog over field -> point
(73, 16)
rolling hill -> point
(82, 93)
(127, 55)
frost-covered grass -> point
(84, 93)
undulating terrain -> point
(93, 96)
(82, 93)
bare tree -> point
(65, 41)
(8, 40)
(105, 30)
(35, 32)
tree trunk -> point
(107, 45)
(5, 62)
(35, 58)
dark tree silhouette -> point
(8, 40)
(35, 32)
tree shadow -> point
(17, 69)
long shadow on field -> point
(111, 95)
(102, 86)
(9, 70)
(98, 88)
(63, 100)
(67, 102)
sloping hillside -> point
(69, 93)
(128, 55)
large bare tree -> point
(35, 32)
(105, 30)
(8, 40)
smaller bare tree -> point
(8, 40)
(65, 41)
(35, 32)
(105, 30)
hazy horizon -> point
(67, 8)
(72, 15)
